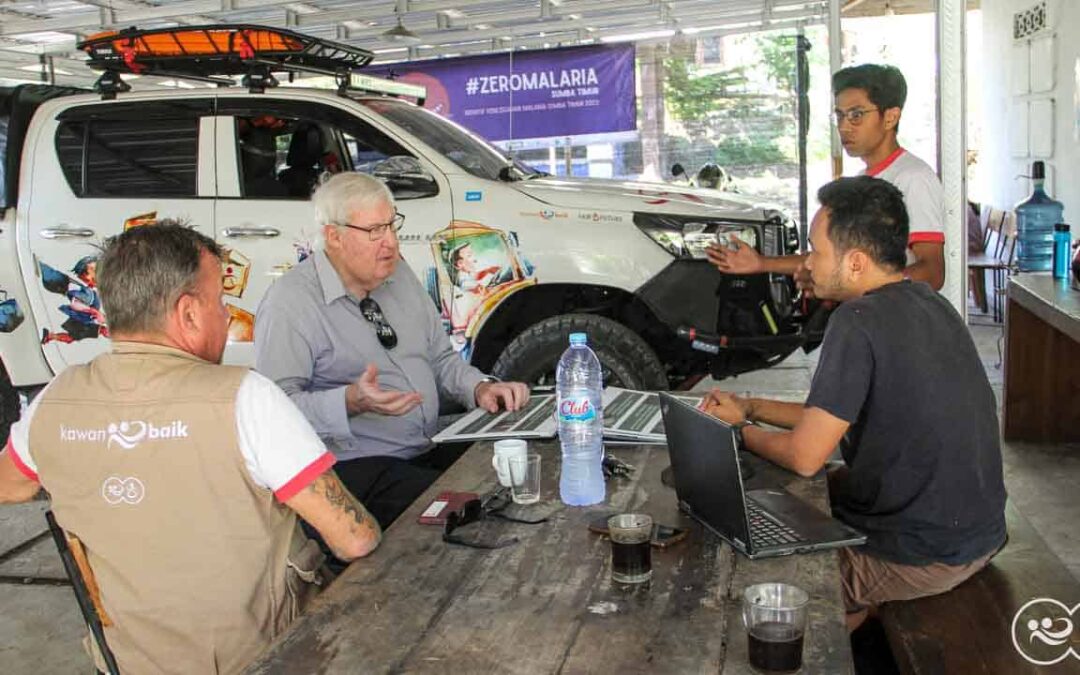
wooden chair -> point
(989, 220)
(997, 257)
(73, 556)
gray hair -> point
(143, 272)
(345, 193)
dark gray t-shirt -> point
(924, 454)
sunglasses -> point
(383, 330)
(476, 510)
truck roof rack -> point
(213, 53)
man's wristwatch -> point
(738, 428)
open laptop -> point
(760, 523)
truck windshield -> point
(470, 152)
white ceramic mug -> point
(504, 449)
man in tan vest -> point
(183, 478)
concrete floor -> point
(41, 630)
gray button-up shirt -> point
(312, 339)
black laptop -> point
(760, 523)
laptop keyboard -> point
(764, 531)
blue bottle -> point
(579, 390)
(1062, 248)
(1035, 220)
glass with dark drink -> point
(631, 557)
(775, 618)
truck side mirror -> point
(406, 177)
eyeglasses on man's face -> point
(378, 231)
(854, 116)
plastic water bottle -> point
(579, 390)
(1035, 220)
(1062, 248)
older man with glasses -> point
(354, 340)
(869, 99)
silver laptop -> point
(760, 523)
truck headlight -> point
(689, 236)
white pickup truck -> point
(513, 259)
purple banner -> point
(558, 92)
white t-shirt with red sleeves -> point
(923, 196)
(281, 451)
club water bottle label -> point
(576, 409)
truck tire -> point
(9, 405)
(627, 360)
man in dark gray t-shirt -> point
(900, 387)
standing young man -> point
(869, 100)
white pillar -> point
(836, 38)
(952, 147)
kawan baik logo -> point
(126, 434)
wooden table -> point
(547, 604)
(1042, 360)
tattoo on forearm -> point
(337, 495)
(360, 522)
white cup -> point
(504, 450)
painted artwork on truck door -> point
(85, 318)
(475, 268)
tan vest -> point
(198, 567)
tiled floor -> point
(40, 628)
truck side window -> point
(284, 157)
(372, 152)
(368, 149)
(130, 157)
(311, 141)
(263, 141)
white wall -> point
(998, 168)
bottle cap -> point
(1061, 227)
(578, 339)
(1038, 170)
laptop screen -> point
(705, 466)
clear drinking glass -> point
(631, 556)
(775, 619)
(525, 478)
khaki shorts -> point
(870, 581)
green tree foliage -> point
(778, 58)
(748, 150)
(723, 110)
(693, 98)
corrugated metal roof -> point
(31, 30)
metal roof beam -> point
(499, 46)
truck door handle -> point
(67, 233)
(252, 232)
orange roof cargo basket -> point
(206, 51)
(213, 53)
